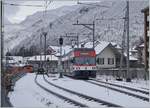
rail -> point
(121, 91)
(132, 89)
(59, 95)
(109, 104)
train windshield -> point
(85, 60)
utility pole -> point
(4, 99)
(93, 33)
(122, 50)
(128, 79)
(2, 35)
(3, 88)
(41, 51)
(90, 27)
(45, 34)
(78, 40)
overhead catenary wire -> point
(15, 4)
(92, 4)
(43, 31)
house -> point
(140, 53)
(51, 62)
(133, 52)
(14, 59)
(132, 59)
(146, 37)
(107, 55)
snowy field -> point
(28, 94)
(136, 83)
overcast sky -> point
(16, 14)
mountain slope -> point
(15, 35)
(107, 30)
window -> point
(84, 60)
(110, 61)
(100, 61)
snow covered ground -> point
(27, 93)
(136, 83)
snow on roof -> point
(133, 50)
(11, 61)
(142, 45)
(37, 58)
(116, 45)
(65, 49)
(132, 58)
(17, 58)
(100, 45)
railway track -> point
(59, 95)
(102, 102)
(121, 91)
(129, 88)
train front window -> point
(85, 60)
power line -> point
(90, 26)
(122, 18)
(92, 4)
(14, 4)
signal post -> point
(60, 58)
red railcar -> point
(80, 63)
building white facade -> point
(106, 58)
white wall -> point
(106, 53)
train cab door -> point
(72, 61)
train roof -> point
(83, 49)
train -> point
(80, 63)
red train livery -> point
(80, 63)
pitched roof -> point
(131, 58)
(100, 46)
(65, 49)
(145, 9)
